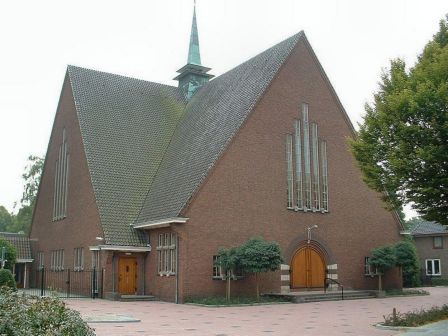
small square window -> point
(438, 242)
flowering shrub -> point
(22, 315)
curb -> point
(383, 327)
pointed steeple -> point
(193, 75)
(194, 56)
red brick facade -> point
(243, 196)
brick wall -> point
(245, 193)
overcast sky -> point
(148, 39)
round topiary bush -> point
(7, 279)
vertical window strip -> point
(324, 175)
(290, 177)
(61, 181)
(298, 155)
(67, 160)
(63, 166)
(55, 194)
(307, 161)
(316, 182)
(58, 209)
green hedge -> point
(7, 279)
(22, 315)
(439, 282)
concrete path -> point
(433, 329)
(318, 319)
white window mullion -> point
(324, 176)
(306, 152)
(316, 182)
(64, 210)
(290, 177)
(298, 155)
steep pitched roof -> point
(126, 125)
(20, 242)
(428, 228)
(211, 119)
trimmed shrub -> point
(22, 315)
(7, 279)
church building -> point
(147, 181)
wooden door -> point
(127, 275)
(307, 269)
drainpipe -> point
(113, 272)
(176, 299)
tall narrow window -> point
(167, 254)
(61, 181)
(298, 155)
(289, 172)
(306, 156)
(78, 259)
(323, 151)
(315, 152)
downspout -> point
(176, 299)
(113, 272)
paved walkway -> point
(335, 318)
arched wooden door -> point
(307, 269)
(127, 275)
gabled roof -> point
(211, 119)
(126, 125)
(428, 228)
(148, 150)
(20, 242)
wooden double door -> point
(307, 268)
(127, 275)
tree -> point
(259, 256)
(383, 259)
(10, 253)
(5, 219)
(402, 145)
(406, 258)
(31, 177)
(228, 260)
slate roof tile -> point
(126, 125)
(429, 228)
(212, 118)
(20, 242)
(148, 150)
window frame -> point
(436, 246)
(78, 259)
(167, 254)
(368, 268)
(433, 263)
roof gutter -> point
(23, 261)
(120, 248)
(160, 223)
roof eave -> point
(160, 223)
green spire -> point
(194, 56)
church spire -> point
(193, 75)
(194, 56)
